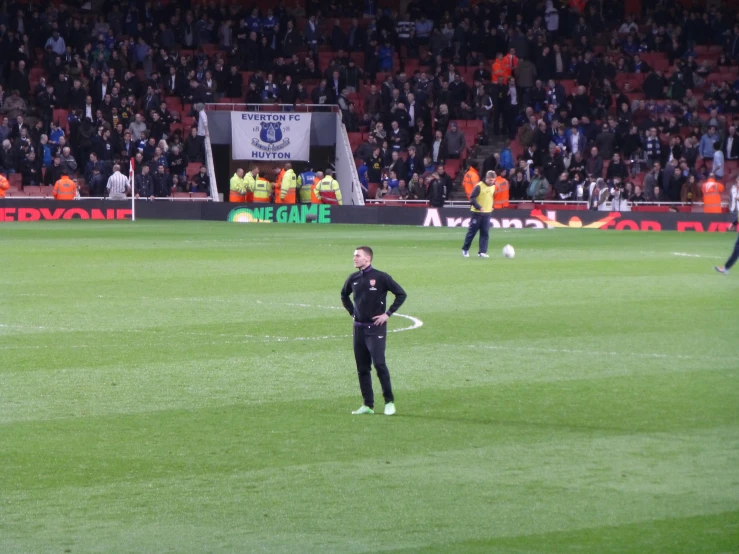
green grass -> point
(186, 387)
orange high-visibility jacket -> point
(278, 187)
(237, 191)
(4, 185)
(288, 187)
(510, 63)
(65, 189)
(499, 70)
(712, 196)
(314, 198)
(251, 185)
(502, 193)
(471, 178)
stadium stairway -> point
(478, 153)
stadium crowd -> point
(644, 106)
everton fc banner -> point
(271, 136)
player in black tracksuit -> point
(370, 313)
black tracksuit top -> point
(370, 288)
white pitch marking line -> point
(415, 324)
(598, 353)
(686, 255)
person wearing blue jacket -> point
(705, 146)
(506, 157)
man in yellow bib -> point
(481, 200)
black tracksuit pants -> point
(478, 222)
(734, 255)
(369, 348)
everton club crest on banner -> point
(270, 136)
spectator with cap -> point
(96, 183)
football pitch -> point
(187, 387)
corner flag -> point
(133, 191)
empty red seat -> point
(475, 125)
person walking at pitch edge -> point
(481, 199)
(734, 255)
(370, 288)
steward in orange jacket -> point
(288, 186)
(712, 190)
(4, 185)
(278, 186)
(499, 69)
(65, 188)
(471, 178)
(502, 193)
(510, 63)
(237, 190)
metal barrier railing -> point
(242, 106)
(128, 199)
(210, 165)
(517, 203)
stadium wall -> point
(28, 210)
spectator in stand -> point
(653, 147)
(96, 182)
(594, 164)
(137, 127)
(143, 183)
(731, 144)
(31, 171)
(706, 146)
(539, 188)
(194, 150)
(68, 162)
(455, 141)
(606, 141)
(718, 161)
(201, 181)
(14, 105)
(398, 137)
(617, 168)
(563, 187)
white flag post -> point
(133, 192)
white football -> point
(508, 251)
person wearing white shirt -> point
(412, 109)
(731, 150)
(57, 43)
(718, 161)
